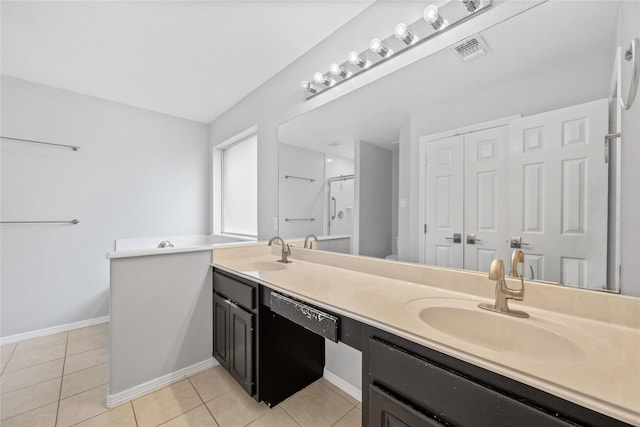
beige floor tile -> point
(275, 418)
(86, 360)
(14, 380)
(199, 417)
(352, 419)
(121, 416)
(316, 405)
(35, 357)
(236, 409)
(84, 380)
(87, 339)
(29, 398)
(44, 416)
(41, 342)
(6, 350)
(213, 382)
(341, 392)
(100, 329)
(82, 406)
(166, 403)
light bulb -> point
(376, 46)
(432, 16)
(337, 70)
(402, 32)
(321, 79)
(355, 59)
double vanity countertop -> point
(580, 346)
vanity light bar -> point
(433, 21)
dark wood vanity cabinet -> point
(410, 388)
(234, 323)
(270, 356)
(406, 384)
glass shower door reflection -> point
(340, 205)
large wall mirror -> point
(504, 151)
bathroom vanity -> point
(413, 373)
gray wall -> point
(161, 318)
(375, 200)
(137, 174)
(300, 198)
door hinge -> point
(425, 229)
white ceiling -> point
(183, 58)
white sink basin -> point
(530, 338)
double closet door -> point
(465, 189)
(538, 182)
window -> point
(239, 186)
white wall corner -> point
(343, 385)
(116, 399)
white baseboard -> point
(114, 400)
(343, 385)
(53, 330)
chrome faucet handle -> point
(307, 241)
(517, 257)
(502, 292)
(496, 271)
(286, 249)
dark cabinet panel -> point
(387, 411)
(452, 398)
(220, 330)
(241, 335)
(243, 294)
(291, 357)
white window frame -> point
(217, 184)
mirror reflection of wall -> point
(527, 74)
(340, 192)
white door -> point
(444, 202)
(340, 206)
(485, 171)
(557, 193)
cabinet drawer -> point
(387, 411)
(440, 392)
(235, 290)
(309, 317)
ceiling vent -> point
(471, 48)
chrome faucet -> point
(517, 257)
(286, 250)
(165, 244)
(503, 292)
(307, 241)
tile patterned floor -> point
(61, 380)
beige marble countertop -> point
(602, 373)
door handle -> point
(607, 140)
(517, 243)
(333, 200)
(472, 239)
(457, 238)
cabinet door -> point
(241, 346)
(386, 411)
(221, 330)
